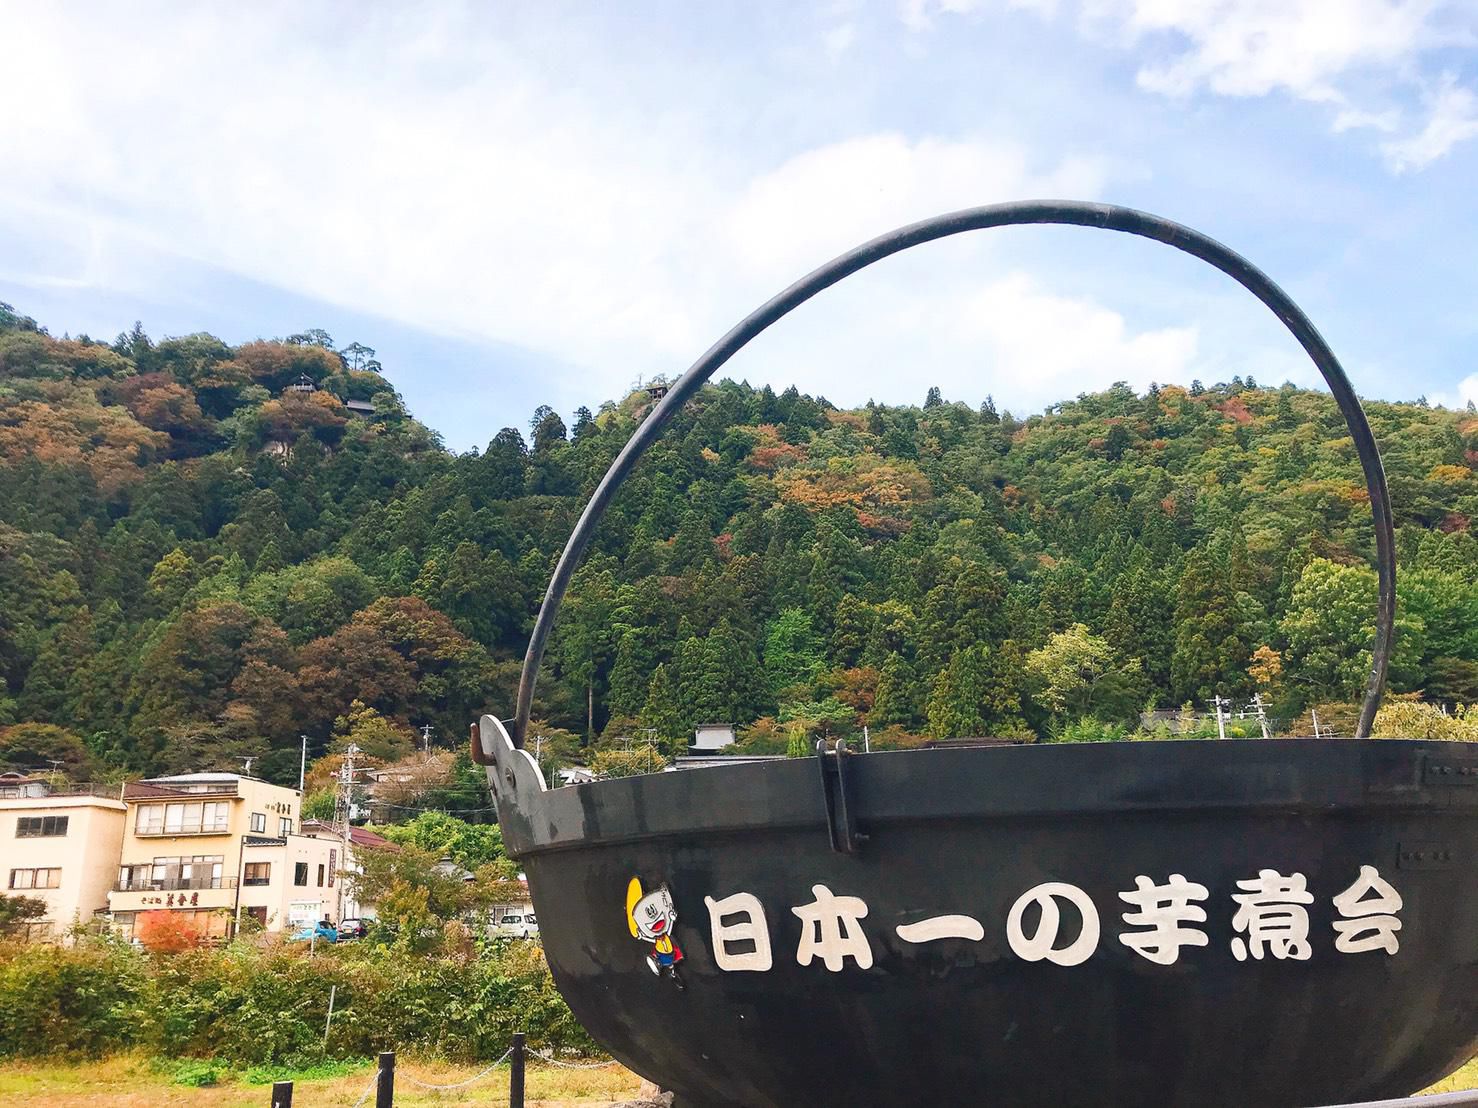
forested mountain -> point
(206, 551)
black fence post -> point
(282, 1094)
(385, 1084)
(515, 1072)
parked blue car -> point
(325, 932)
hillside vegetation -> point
(198, 563)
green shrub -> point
(1411, 719)
(263, 1004)
(85, 1000)
(197, 1074)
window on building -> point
(259, 823)
(258, 873)
(300, 873)
(182, 818)
(284, 826)
(320, 875)
(36, 878)
(201, 871)
(259, 914)
(39, 827)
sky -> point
(519, 204)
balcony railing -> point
(40, 790)
(142, 883)
(150, 831)
(143, 790)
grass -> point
(131, 1081)
(1465, 1078)
(135, 1081)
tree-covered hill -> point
(207, 551)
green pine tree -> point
(662, 713)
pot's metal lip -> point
(1046, 781)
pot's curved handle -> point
(1069, 212)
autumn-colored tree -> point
(167, 932)
(1266, 670)
(400, 657)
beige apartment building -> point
(221, 848)
(61, 846)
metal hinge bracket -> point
(841, 816)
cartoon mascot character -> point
(652, 917)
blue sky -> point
(525, 204)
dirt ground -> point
(136, 1082)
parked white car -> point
(518, 924)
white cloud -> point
(1340, 53)
(1453, 119)
(1255, 47)
(919, 15)
(824, 201)
(436, 174)
(1351, 119)
(839, 39)
(892, 331)
(1360, 58)
(1466, 393)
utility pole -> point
(346, 797)
(426, 739)
(1314, 712)
(650, 742)
(303, 765)
(1221, 723)
(866, 742)
(1262, 715)
(344, 802)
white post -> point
(1221, 723)
(1315, 713)
(332, 989)
(866, 742)
(1262, 716)
(303, 764)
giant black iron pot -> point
(1288, 922)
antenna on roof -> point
(246, 766)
